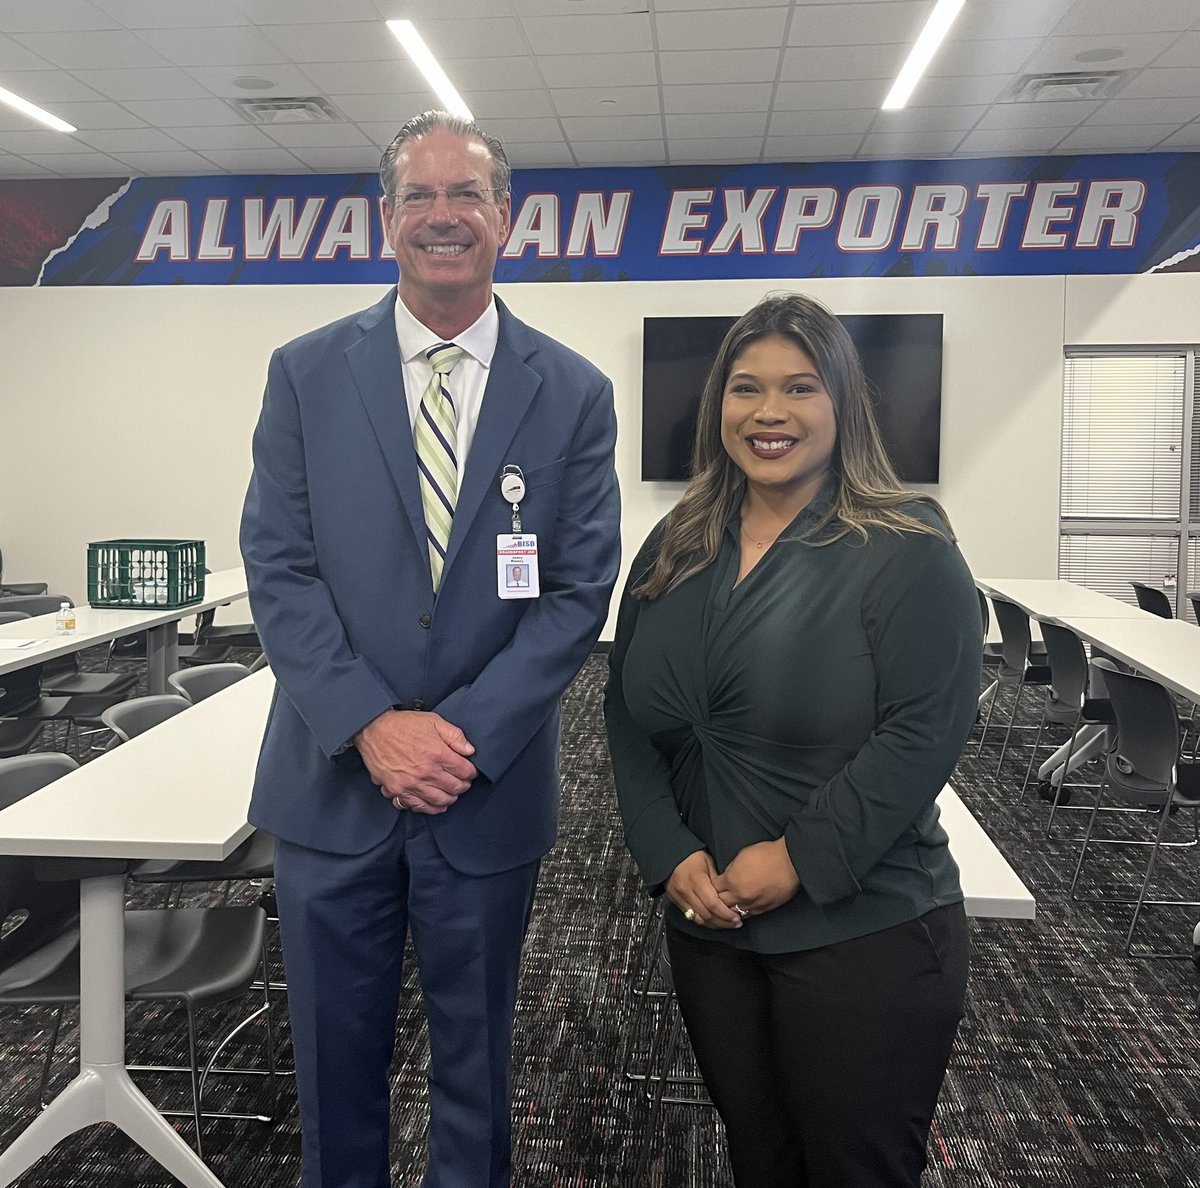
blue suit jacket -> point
(333, 539)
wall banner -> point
(1017, 217)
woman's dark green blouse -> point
(823, 699)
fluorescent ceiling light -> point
(34, 112)
(922, 53)
(406, 34)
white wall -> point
(128, 412)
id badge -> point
(517, 565)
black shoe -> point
(1046, 790)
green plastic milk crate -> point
(145, 573)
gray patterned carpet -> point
(1075, 1068)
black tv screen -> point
(901, 355)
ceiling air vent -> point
(305, 109)
(1060, 85)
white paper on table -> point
(13, 645)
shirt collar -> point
(478, 339)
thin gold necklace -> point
(760, 544)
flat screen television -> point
(901, 355)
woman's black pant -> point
(826, 1064)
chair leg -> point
(1164, 817)
(1037, 742)
(1011, 722)
(1087, 837)
(1062, 783)
(195, 1071)
(991, 710)
(655, 1112)
(644, 994)
(51, 1045)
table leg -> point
(103, 1092)
(162, 656)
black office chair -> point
(23, 704)
(190, 956)
(1153, 599)
(1145, 772)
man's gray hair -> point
(430, 121)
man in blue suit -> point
(410, 764)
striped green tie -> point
(434, 437)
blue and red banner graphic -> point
(1020, 216)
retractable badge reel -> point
(516, 553)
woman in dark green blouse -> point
(795, 671)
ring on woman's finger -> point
(741, 911)
(689, 914)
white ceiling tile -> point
(81, 165)
(252, 160)
(817, 96)
(734, 123)
(228, 45)
(33, 139)
(538, 156)
(983, 57)
(730, 28)
(344, 41)
(1012, 141)
(1188, 137)
(1064, 53)
(719, 66)
(1121, 138)
(382, 133)
(316, 78)
(183, 113)
(1039, 115)
(960, 90)
(391, 109)
(810, 148)
(1124, 16)
(1162, 84)
(165, 83)
(292, 12)
(16, 167)
(493, 105)
(531, 131)
(625, 33)
(701, 150)
(231, 136)
(716, 97)
(928, 119)
(14, 121)
(81, 48)
(858, 24)
(615, 152)
(640, 127)
(1184, 52)
(317, 135)
(597, 70)
(43, 16)
(606, 101)
(164, 164)
(700, 5)
(821, 123)
(100, 115)
(831, 62)
(904, 144)
(285, 79)
(47, 87)
(172, 14)
(491, 74)
(1009, 18)
(1148, 111)
(14, 56)
(339, 160)
(490, 37)
(555, 7)
(118, 141)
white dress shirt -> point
(466, 382)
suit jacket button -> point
(416, 704)
(425, 620)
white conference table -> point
(178, 791)
(96, 625)
(181, 791)
(1051, 598)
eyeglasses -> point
(462, 197)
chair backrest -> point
(34, 604)
(13, 616)
(1014, 633)
(260, 663)
(1194, 599)
(1148, 735)
(33, 913)
(206, 679)
(20, 691)
(984, 613)
(1068, 664)
(130, 718)
(1154, 600)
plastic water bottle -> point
(64, 621)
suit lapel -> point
(374, 362)
(511, 387)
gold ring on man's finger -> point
(398, 803)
